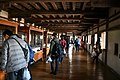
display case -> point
(34, 37)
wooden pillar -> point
(16, 30)
(45, 42)
(28, 35)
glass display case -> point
(36, 39)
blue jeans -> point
(54, 68)
(61, 56)
(29, 70)
(16, 75)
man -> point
(97, 50)
(77, 44)
(12, 60)
(53, 54)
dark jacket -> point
(53, 41)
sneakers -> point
(53, 73)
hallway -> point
(81, 68)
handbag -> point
(48, 59)
(23, 49)
(26, 74)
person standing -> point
(54, 54)
(76, 45)
(63, 46)
(13, 60)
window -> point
(95, 38)
(89, 39)
(103, 40)
(36, 39)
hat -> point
(54, 34)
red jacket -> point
(63, 43)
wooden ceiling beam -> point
(22, 1)
(34, 16)
(90, 20)
(63, 23)
(64, 27)
(40, 16)
(59, 12)
(63, 30)
(18, 7)
(54, 5)
(39, 19)
(25, 15)
(66, 30)
(26, 5)
(54, 16)
(35, 6)
(99, 16)
(68, 27)
(70, 19)
(44, 5)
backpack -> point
(57, 50)
(31, 56)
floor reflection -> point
(81, 68)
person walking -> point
(77, 44)
(54, 54)
(13, 60)
(67, 45)
(70, 50)
(63, 46)
(97, 50)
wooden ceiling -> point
(58, 15)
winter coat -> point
(12, 57)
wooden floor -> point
(81, 68)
